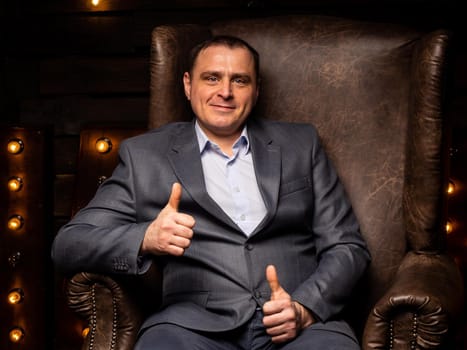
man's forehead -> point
(214, 58)
(218, 49)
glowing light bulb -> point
(451, 187)
(449, 227)
(95, 2)
(16, 334)
(15, 184)
(15, 222)
(15, 146)
(84, 332)
(103, 145)
(15, 296)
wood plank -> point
(66, 148)
(69, 113)
(94, 75)
(458, 109)
(460, 69)
(93, 167)
(146, 21)
(64, 186)
(32, 202)
(125, 5)
(49, 34)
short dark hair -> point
(223, 40)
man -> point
(257, 240)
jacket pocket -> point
(295, 185)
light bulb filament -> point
(15, 146)
(15, 296)
(15, 184)
(103, 145)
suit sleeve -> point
(341, 251)
(105, 235)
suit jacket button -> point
(249, 246)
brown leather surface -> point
(113, 322)
(419, 306)
(114, 306)
(374, 92)
(169, 52)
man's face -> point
(222, 90)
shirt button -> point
(249, 246)
(242, 217)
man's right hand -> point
(171, 231)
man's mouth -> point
(228, 107)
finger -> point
(282, 338)
(175, 250)
(185, 220)
(183, 232)
(179, 241)
(175, 196)
(273, 280)
(280, 333)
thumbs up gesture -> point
(171, 231)
(283, 317)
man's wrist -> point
(304, 316)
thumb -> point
(273, 280)
(175, 196)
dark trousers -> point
(251, 336)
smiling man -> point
(247, 218)
(223, 88)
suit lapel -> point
(185, 159)
(267, 163)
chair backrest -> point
(374, 92)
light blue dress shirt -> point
(231, 181)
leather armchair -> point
(374, 92)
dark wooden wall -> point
(68, 64)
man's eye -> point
(212, 79)
(240, 81)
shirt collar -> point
(204, 142)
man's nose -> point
(226, 90)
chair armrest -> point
(420, 307)
(114, 308)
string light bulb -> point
(16, 334)
(15, 183)
(451, 187)
(15, 222)
(449, 226)
(95, 2)
(15, 296)
(15, 146)
(84, 332)
(103, 145)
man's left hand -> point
(283, 317)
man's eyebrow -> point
(241, 75)
(211, 72)
(234, 75)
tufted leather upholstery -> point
(374, 92)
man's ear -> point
(187, 85)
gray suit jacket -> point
(310, 232)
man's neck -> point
(225, 142)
